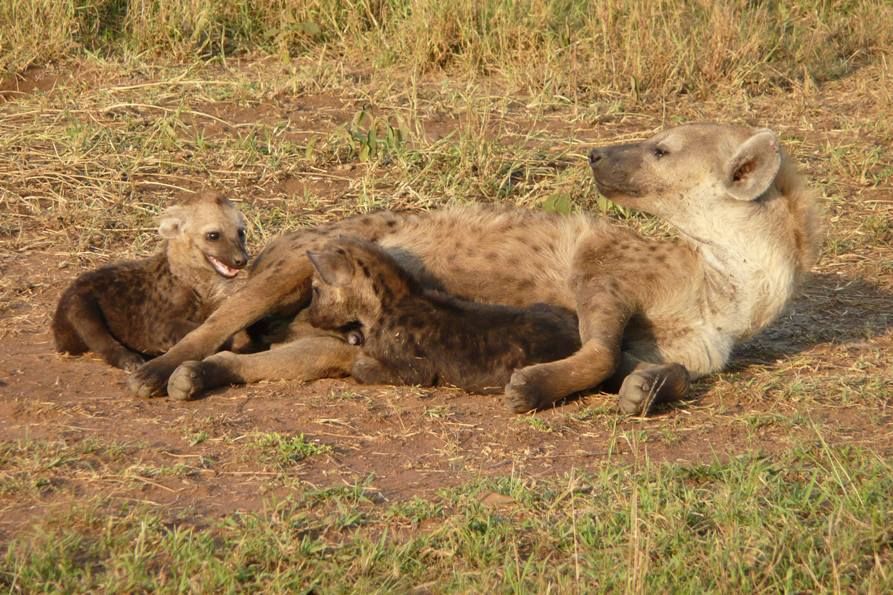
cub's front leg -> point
(285, 281)
(83, 323)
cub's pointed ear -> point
(333, 265)
(171, 223)
(755, 164)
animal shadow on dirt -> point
(830, 309)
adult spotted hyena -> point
(129, 310)
(651, 312)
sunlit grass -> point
(816, 518)
(568, 48)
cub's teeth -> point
(223, 269)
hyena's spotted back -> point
(492, 256)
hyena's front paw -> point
(637, 393)
(643, 388)
(150, 380)
(524, 392)
(186, 382)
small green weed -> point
(537, 423)
(287, 450)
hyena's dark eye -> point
(212, 236)
(660, 152)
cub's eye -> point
(241, 234)
(212, 236)
(660, 152)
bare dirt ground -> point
(71, 431)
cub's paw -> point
(368, 370)
(187, 381)
(129, 362)
(523, 392)
(150, 380)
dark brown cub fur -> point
(426, 337)
(126, 311)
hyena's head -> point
(206, 233)
(698, 177)
(355, 281)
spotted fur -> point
(424, 336)
(652, 312)
(131, 310)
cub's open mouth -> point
(223, 269)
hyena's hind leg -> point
(305, 359)
(602, 313)
(80, 326)
(639, 385)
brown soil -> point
(33, 79)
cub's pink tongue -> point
(221, 268)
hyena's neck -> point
(757, 261)
(759, 280)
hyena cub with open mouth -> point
(129, 310)
(413, 335)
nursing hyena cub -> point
(128, 310)
(426, 337)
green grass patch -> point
(31, 467)
(812, 519)
(285, 450)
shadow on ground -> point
(830, 309)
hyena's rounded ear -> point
(752, 169)
(333, 266)
(171, 223)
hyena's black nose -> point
(240, 260)
(596, 155)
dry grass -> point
(565, 48)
